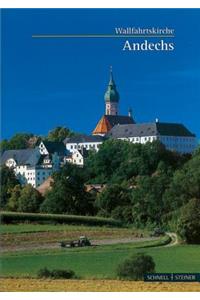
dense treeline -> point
(119, 161)
(145, 185)
(29, 140)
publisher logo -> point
(172, 277)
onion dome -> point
(111, 95)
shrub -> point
(43, 273)
(26, 199)
(55, 274)
(14, 217)
(135, 267)
(67, 274)
(29, 200)
(123, 213)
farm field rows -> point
(27, 235)
(30, 285)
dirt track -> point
(38, 246)
(174, 239)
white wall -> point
(141, 140)
(89, 146)
(77, 158)
(43, 149)
(173, 143)
(33, 176)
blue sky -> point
(61, 82)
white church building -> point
(34, 166)
(175, 136)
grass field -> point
(99, 262)
(31, 285)
(89, 263)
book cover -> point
(100, 160)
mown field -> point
(31, 285)
(30, 235)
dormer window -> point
(11, 163)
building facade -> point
(30, 166)
(87, 142)
(175, 137)
(77, 157)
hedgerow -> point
(15, 217)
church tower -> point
(111, 117)
(111, 97)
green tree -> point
(102, 166)
(30, 199)
(185, 184)
(189, 222)
(18, 141)
(110, 198)
(147, 197)
(68, 193)
(8, 181)
(118, 161)
(136, 266)
(58, 134)
(13, 201)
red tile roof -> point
(103, 126)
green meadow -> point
(88, 262)
(99, 262)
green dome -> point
(111, 95)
